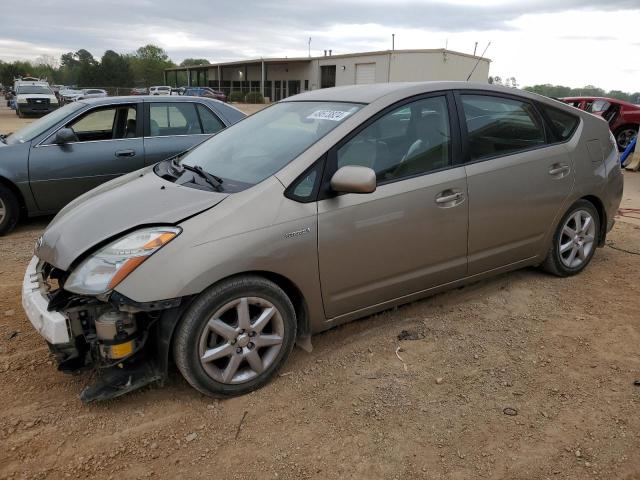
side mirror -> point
(65, 135)
(354, 179)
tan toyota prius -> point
(320, 209)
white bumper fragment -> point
(51, 325)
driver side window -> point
(411, 140)
(109, 123)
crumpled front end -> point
(115, 337)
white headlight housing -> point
(22, 100)
(106, 268)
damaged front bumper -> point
(126, 343)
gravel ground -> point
(525, 376)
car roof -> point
(144, 98)
(373, 92)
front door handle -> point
(449, 198)
(126, 153)
(559, 170)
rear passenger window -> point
(562, 123)
(210, 122)
(173, 119)
(500, 126)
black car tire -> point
(553, 262)
(11, 210)
(188, 334)
(621, 130)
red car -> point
(623, 117)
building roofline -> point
(309, 59)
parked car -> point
(139, 91)
(50, 162)
(92, 93)
(34, 98)
(70, 94)
(326, 207)
(164, 90)
(623, 117)
(205, 92)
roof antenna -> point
(478, 62)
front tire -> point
(235, 336)
(574, 241)
(9, 210)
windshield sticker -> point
(333, 115)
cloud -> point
(254, 27)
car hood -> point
(138, 199)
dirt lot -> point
(562, 353)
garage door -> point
(365, 73)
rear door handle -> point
(126, 153)
(449, 197)
(559, 169)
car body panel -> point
(516, 196)
(397, 240)
(139, 198)
(206, 252)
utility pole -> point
(393, 41)
(475, 49)
(309, 47)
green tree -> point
(115, 70)
(191, 62)
(148, 65)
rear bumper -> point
(53, 326)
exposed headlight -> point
(105, 269)
(22, 100)
(53, 100)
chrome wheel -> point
(3, 210)
(576, 241)
(241, 340)
(625, 137)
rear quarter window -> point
(562, 123)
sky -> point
(565, 42)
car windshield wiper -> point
(214, 181)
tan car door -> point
(517, 182)
(411, 233)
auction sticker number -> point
(333, 115)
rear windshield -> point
(259, 146)
(33, 89)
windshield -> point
(31, 89)
(259, 146)
(34, 129)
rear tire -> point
(9, 210)
(235, 336)
(574, 241)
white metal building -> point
(278, 78)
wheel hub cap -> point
(243, 340)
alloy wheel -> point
(625, 137)
(576, 241)
(3, 210)
(241, 340)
